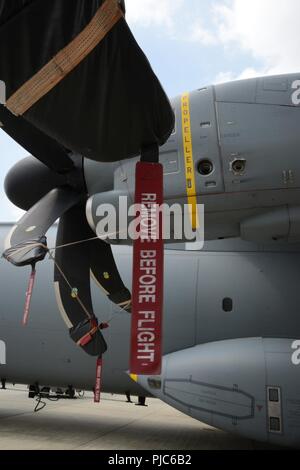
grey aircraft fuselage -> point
(261, 282)
(231, 312)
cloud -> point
(203, 35)
(249, 72)
(172, 18)
(268, 30)
(148, 13)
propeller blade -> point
(106, 275)
(40, 145)
(21, 244)
(72, 280)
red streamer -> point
(148, 269)
(97, 394)
(28, 297)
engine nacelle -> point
(250, 387)
(244, 160)
(279, 224)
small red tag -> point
(28, 297)
(97, 393)
(148, 269)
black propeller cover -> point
(109, 107)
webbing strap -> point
(67, 59)
(87, 338)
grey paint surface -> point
(254, 121)
(225, 384)
(251, 120)
(263, 286)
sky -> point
(193, 43)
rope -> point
(90, 317)
(59, 247)
(66, 245)
(41, 245)
(123, 306)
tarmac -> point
(111, 425)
